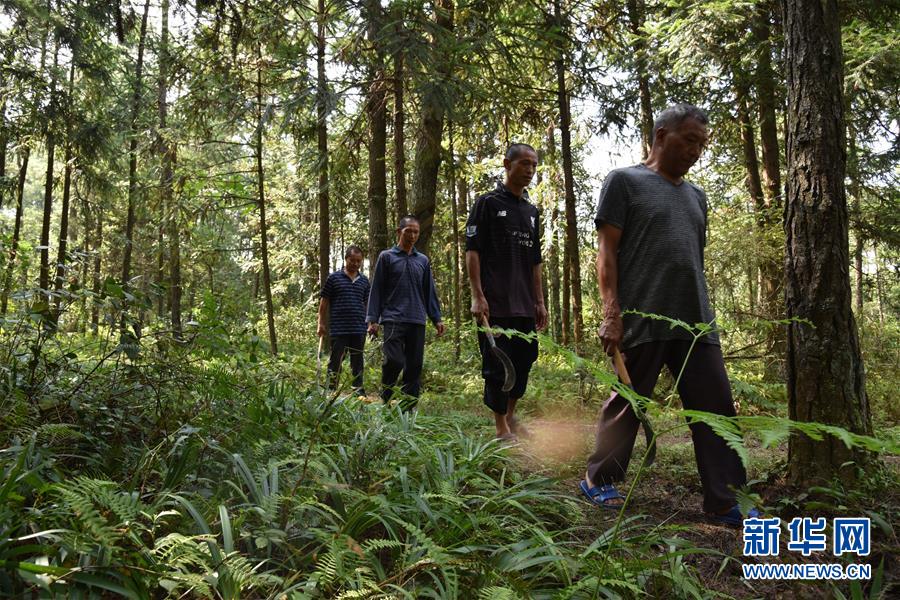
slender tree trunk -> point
(565, 120)
(95, 284)
(63, 239)
(768, 107)
(826, 381)
(44, 278)
(170, 208)
(428, 146)
(17, 232)
(399, 134)
(553, 277)
(753, 183)
(454, 216)
(3, 143)
(636, 20)
(263, 228)
(855, 192)
(322, 139)
(376, 111)
(133, 149)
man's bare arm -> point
(480, 308)
(540, 311)
(607, 264)
(323, 316)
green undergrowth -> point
(214, 470)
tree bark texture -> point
(63, 239)
(376, 111)
(17, 232)
(428, 145)
(322, 142)
(399, 133)
(50, 120)
(825, 370)
(639, 46)
(565, 120)
(263, 227)
(171, 211)
(132, 149)
(454, 223)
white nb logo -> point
(501, 213)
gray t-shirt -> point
(660, 255)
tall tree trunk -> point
(170, 209)
(428, 146)
(3, 143)
(399, 133)
(63, 239)
(639, 46)
(133, 147)
(322, 140)
(17, 232)
(263, 228)
(565, 120)
(454, 216)
(376, 111)
(51, 117)
(768, 106)
(553, 277)
(771, 273)
(95, 284)
(855, 192)
(826, 381)
(752, 180)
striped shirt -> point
(403, 289)
(347, 303)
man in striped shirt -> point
(345, 293)
(403, 295)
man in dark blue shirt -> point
(403, 295)
(503, 260)
(346, 293)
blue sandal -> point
(734, 518)
(600, 495)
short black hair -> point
(353, 249)
(675, 115)
(406, 220)
(514, 150)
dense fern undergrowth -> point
(213, 470)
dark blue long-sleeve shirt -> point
(403, 289)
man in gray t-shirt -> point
(651, 227)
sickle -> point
(509, 372)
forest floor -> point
(669, 493)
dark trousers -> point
(521, 352)
(703, 386)
(352, 345)
(404, 349)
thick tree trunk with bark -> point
(170, 209)
(376, 112)
(17, 232)
(565, 121)
(825, 371)
(399, 133)
(261, 199)
(454, 221)
(132, 149)
(428, 145)
(639, 46)
(63, 239)
(44, 277)
(322, 141)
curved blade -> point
(509, 371)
